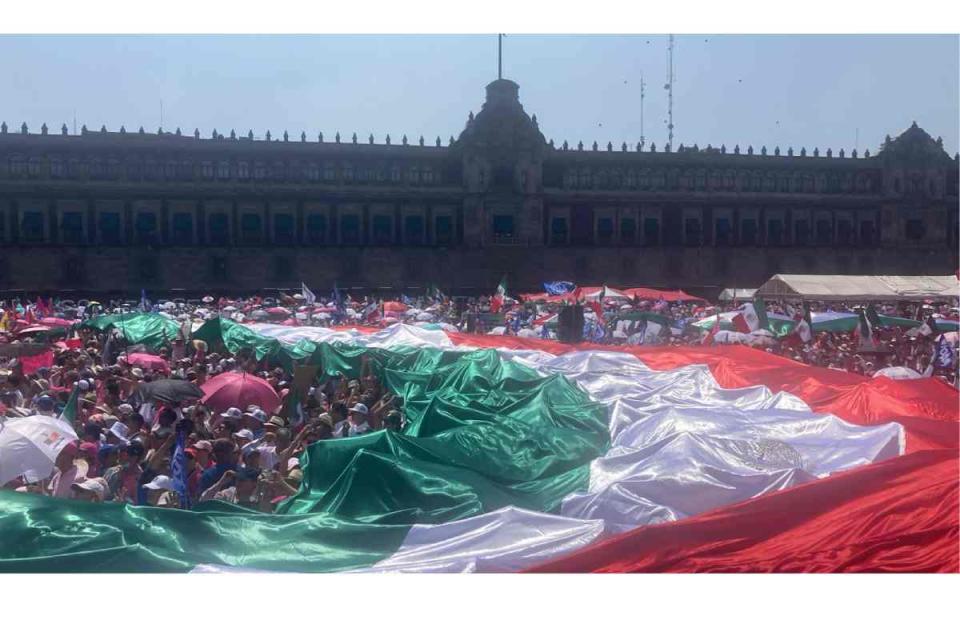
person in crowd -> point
(125, 448)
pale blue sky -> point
(760, 90)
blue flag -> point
(337, 297)
(944, 353)
(178, 469)
(558, 288)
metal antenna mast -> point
(643, 86)
(669, 89)
(499, 56)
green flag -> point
(69, 413)
(761, 310)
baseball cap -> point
(359, 408)
(203, 445)
(45, 403)
(125, 409)
(257, 414)
(106, 450)
(293, 463)
(89, 448)
(160, 482)
(246, 434)
(96, 485)
(233, 413)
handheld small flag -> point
(178, 469)
(864, 333)
(69, 413)
(944, 354)
(308, 296)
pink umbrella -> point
(147, 361)
(33, 329)
(50, 321)
(394, 306)
(239, 390)
(278, 311)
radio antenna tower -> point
(643, 140)
(669, 88)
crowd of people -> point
(127, 447)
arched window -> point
(223, 169)
(243, 170)
(348, 172)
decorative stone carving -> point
(23, 128)
(403, 140)
(267, 137)
(43, 129)
(178, 131)
(421, 141)
(286, 136)
(63, 129)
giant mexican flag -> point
(531, 455)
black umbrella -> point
(165, 391)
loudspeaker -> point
(570, 324)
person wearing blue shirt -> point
(225, 455)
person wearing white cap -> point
(356, 421)
(160, 492)
(90, 489)
(118, 434)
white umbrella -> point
(31, 445)
(207, 299)
(527, 333)
(425, 317)
(301, 316)
(898, 373)
(230, 309)
(497, 331)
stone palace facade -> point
(120, 211)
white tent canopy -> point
(737, 294)
(865, 288)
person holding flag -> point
(500, 297)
